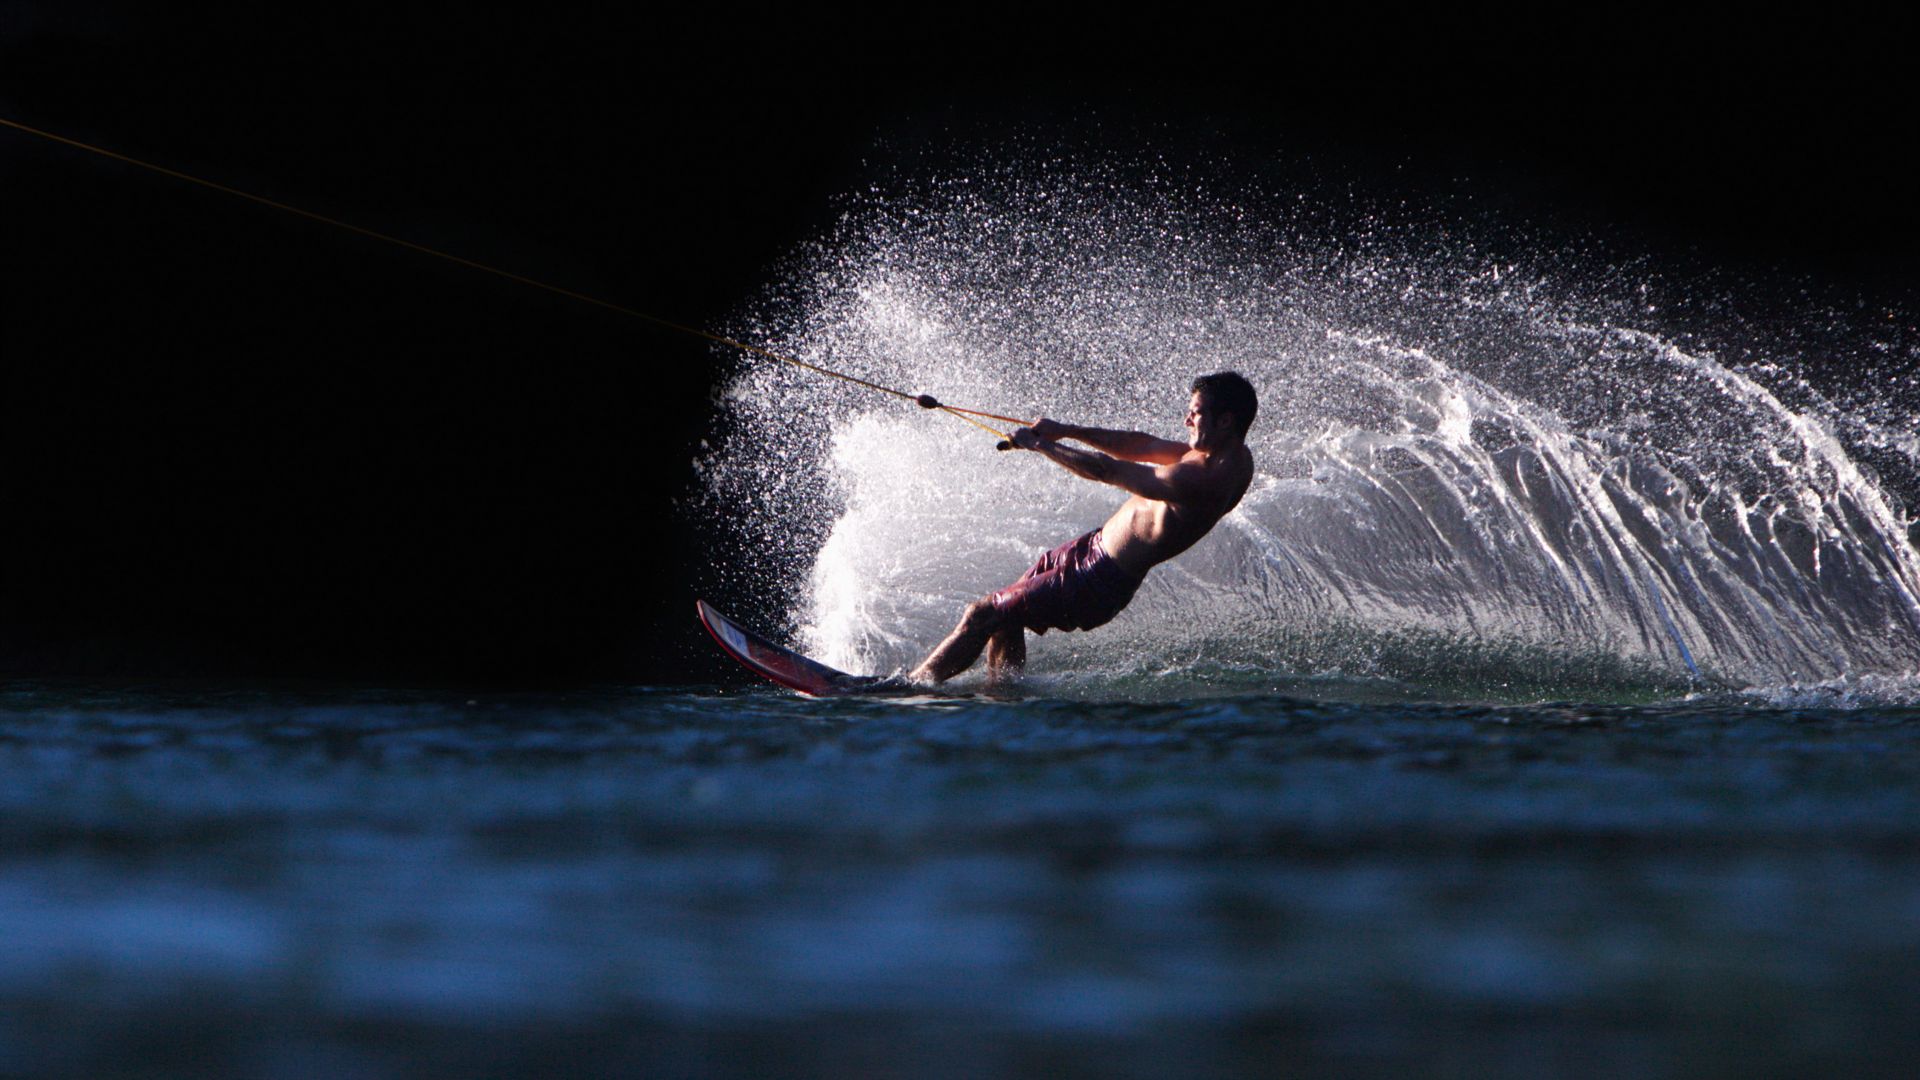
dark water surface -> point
(673, 882)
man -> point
(1179, 491)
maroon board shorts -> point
(1076, 586)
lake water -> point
(735, 881)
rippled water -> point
(734, 881)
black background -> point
(238, 443)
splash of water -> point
(1469, 471)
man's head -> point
(1223, 405)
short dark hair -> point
(1229, 391)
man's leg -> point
(1007, 652)
(962, 647)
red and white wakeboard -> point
(786, 667)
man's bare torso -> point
(1146, 532)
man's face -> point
(1206, 425)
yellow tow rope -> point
(925, 401)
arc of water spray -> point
(925, 401)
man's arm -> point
(1127, 445)
(1167, 483)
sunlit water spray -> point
(1472, 478)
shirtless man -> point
(1179, 491)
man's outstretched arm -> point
(1126, 445)
(1168, 483)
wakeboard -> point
(788, 668)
